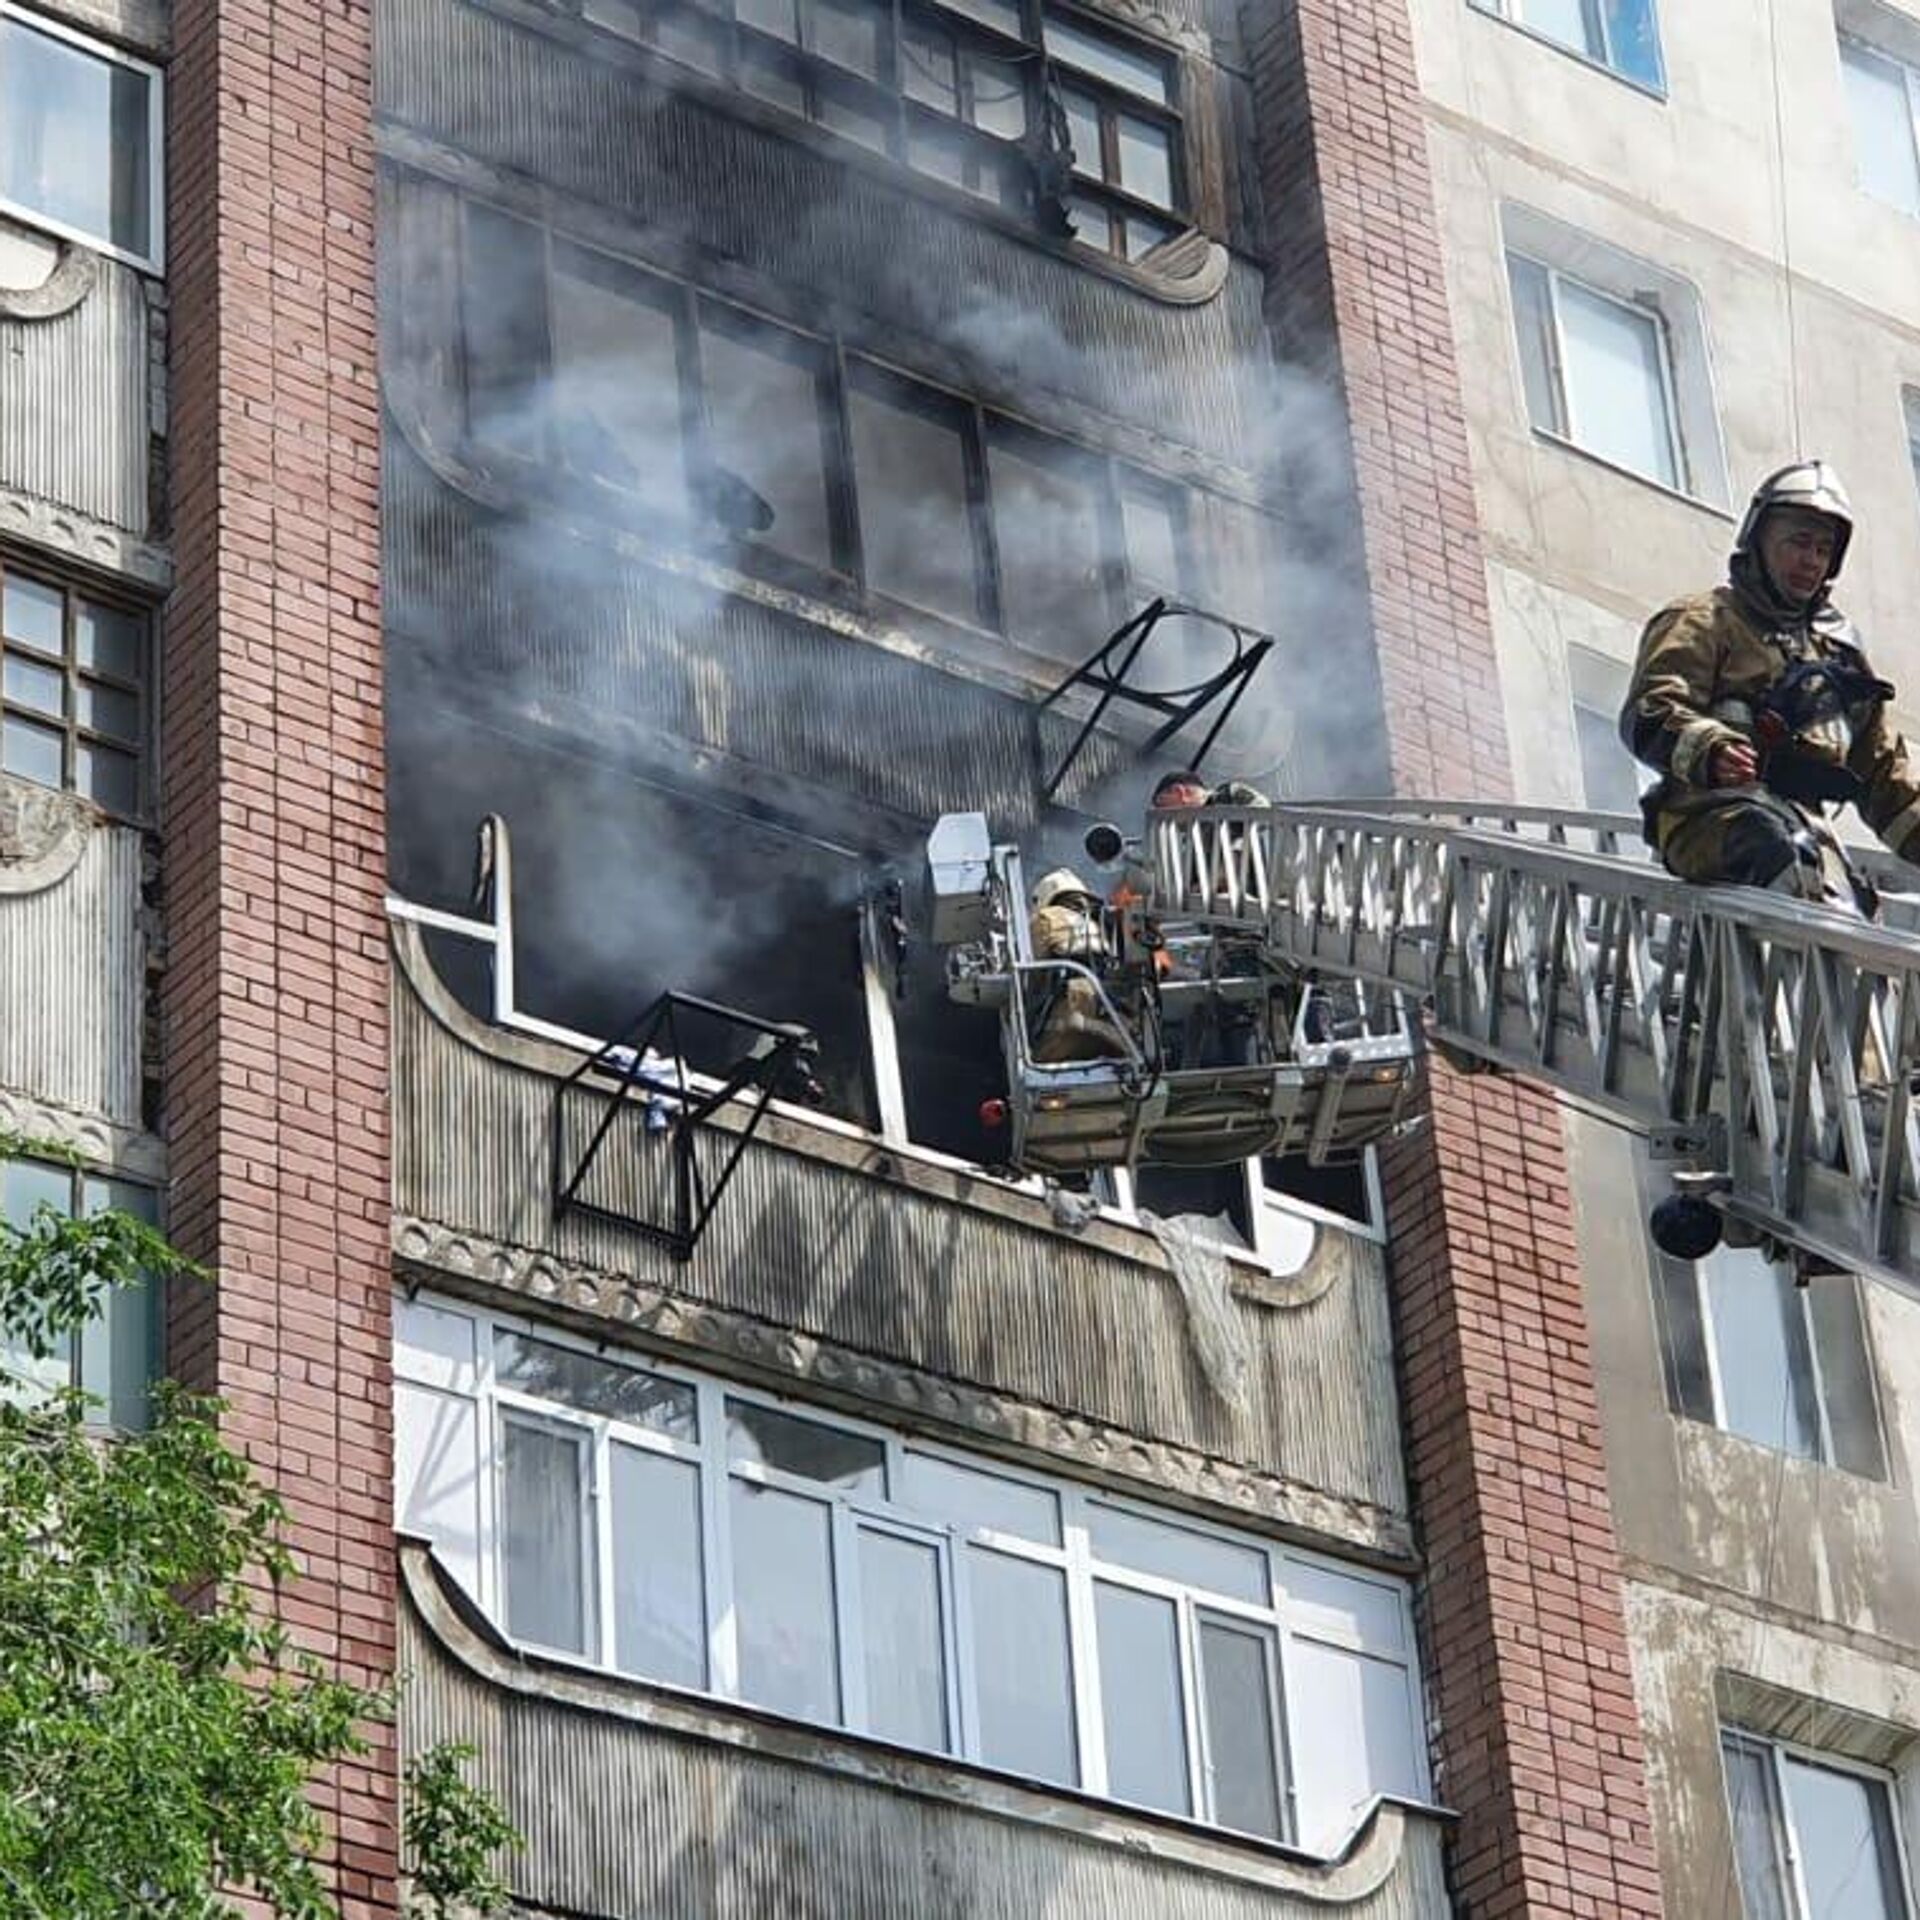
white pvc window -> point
(1815, 1838)
(1596, 370)
(1910, 407)
(1621, 35)
(672, 1527)
(1883, 100)
(81, 133)
(1783, 1365)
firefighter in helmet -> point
(1756, 706)
(1070, 1020)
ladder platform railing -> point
(1771, 1039)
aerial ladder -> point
(1762, 1045)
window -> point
(80, 137)
(1815, 1839)
(1118, 100)
(660, 404)
(956, 90)
(113, 1357)
(73, 674)
(1595, 369)
(1620, 35)
(1883, 97)
(1610, 777)
(678, 1529)
(1782, 1365)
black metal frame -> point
(780, 1050)
(1178, 704)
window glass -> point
(1237, 1691)
(1760, 1340)
(1563, 20)
(109, 779)
(545, 1536)
(853, 113)
(108, 710)
(1004, 14)
(766, 436)
(1124, 1539)
(25, 1187)
(1343, 1606)
(1685, 1345)
(777, 17)
(902, 1616)
(659, 1589)
(784, 1602)
(1083, 130)
(1141, 1698)
(1609, 778)
(1112, 60)
(34, 752)
(1048, 531)
(1882, 112)
(76, 138)
(1632, 40)
(1146, 159)
(437, 1475)
(1155, 529)
(847, 32)
(929, 66)
(1756, 1829)
(119, 1349)
(999, 96)
(1844, 1830)
(1022, 1667)
(616, 379)
(591, 1385)
(27, 683)
(1847, 1389)
(109, 640)
(503, 322)
(30, 612)
(1139, 235)
(972, 1499)
(1539, 358)
(915, 504)
(806, 1448)
(1616, 394)
(773, 77)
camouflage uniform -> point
(1706, 669)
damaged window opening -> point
(956, 91)
(116, 1355)
(625, 888)
(73, 678)
(831, 1569)
(81, 137)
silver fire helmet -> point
(1813, 487)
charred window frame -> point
(74, 679)
(957, 91)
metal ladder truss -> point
(1769, 1040)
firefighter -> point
(1755, 704)
(1072, 1021)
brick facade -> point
(273, 816)
(1537, 1739)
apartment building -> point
(512, 508)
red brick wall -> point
(274, 850)
(1538, 1745)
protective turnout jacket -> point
(1706, 668)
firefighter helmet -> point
(1812, 486)
(1061, 884)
